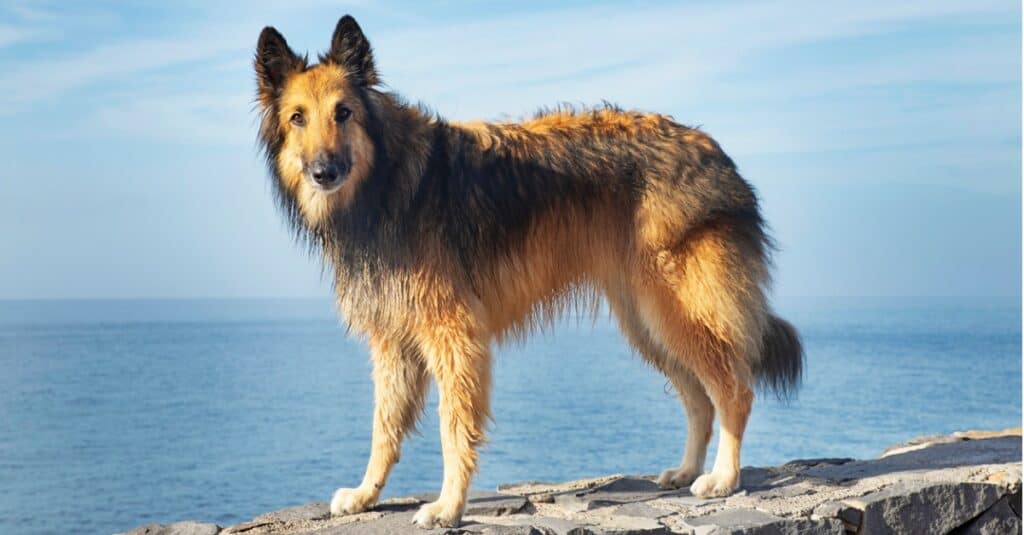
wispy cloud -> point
(667, 57)
(676, 39)
(819, 103)
(37, 81)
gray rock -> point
(734, 520)
(493, 504)
(515, 487)
(997, 450)
(970, 483)
(619, 491)
(555, 525)
(640, 509)
(807, 463)
(806, 526)
(245, 526)
(542, 523)
(187, 527)
(383, 526)
(479, 502)
(1015, 502)
(802, 526)
(757, 478)
(923, 507)
(754, 522)
(997, 520)
(631, 525)
(517, 530)
(850, 516)
(299, 513)
(920, 443)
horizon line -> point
(330, 297)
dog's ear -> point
(274, 62)
(351, 49)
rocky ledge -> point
(962, 483)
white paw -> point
(715, 484)
(677, 478)
(351, 501)
(438, 515)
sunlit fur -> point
(446, 237)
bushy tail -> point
(782, 359)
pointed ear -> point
(351, 49)
(274, 62)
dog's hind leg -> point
(713, 364)
(733, 401)
(705, 304)
(700, 412)
(700, 415)
(400, 382)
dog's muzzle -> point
(327, 173)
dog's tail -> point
(782, 359)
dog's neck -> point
(403, 136)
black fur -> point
(274, 62)
(351, 49)
(483, 200)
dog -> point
(446, 237)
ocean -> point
(120, 413)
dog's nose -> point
(323, 173)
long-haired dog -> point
(445, 237)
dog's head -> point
(315, 120)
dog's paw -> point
(438, 515)
(715, 484)
(351, 501)
(677, 478)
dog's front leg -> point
(460, 360)
(400, 382)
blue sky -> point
(884, 137)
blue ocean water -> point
(119, 413)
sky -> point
(884, 137)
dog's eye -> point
(297, 119)
(342, 113)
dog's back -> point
(445, 237)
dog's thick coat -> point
(444, 237)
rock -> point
(732, 521)
(964, 483)
(545, 524)
(849, 516)
(641, 509)
(516, 530)
(1015, 502)
(631, 525)
(997, 520)
(187, 527)
(807, 463)
(978, 435)
(932, 440)
(924, 508)
(311, 511)
(535, 488)
(754, 522)
(615, 492)
(493, 504)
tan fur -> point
(689, 316)
(692, 302)
(661, 225)
(315, 93)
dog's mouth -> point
(329, 188)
